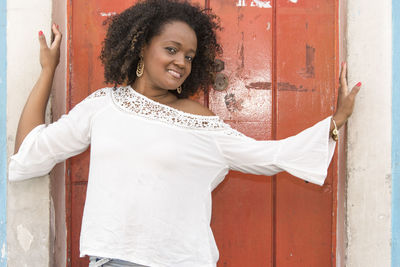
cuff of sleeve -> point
(19, 168)
(308, 154)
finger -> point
(355, 89)
(343, 90)
(57, 36)
(343, 74)
(42, 40)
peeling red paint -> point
(232, 104)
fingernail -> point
(40, 33)
(358, 84)
(57, 26)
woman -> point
(156, 156)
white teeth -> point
(175, 74)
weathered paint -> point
(254, 3)
(395, 134)
(369, 183)
(264, 74)
(306, 76)
(3, 135)
(27, 201)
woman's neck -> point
(156, 94)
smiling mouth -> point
(175, 74)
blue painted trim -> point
(3, 133)
(396, 135)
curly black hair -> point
(130, 30)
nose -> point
(180, 61)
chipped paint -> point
(261, 4)
(293, 1)
(25, 238)
(241, 54)
(232, 104)
(107, 14)
(255, 3)
(241, 3)
(309, 70)
(259, 85)
(284, 86)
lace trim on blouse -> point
(131, 101)
(98, 93)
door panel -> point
(242, 204)
(280, 63)
(305, 63)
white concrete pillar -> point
(28, 201)
(369, 46)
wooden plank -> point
(242, 205)
(306, 61)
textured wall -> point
(3, 135)
(28, 201)
(369, 134)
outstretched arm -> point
(346, 99)
(33, 113)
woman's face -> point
(168, 57)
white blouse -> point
(152, 170)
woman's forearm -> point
(34, 110)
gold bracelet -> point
(335, 132)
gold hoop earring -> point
(179, 89)
(140, 67)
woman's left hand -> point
(346, 99)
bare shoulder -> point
(193, 107)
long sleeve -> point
(306, 155)
(45, 146)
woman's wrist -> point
(340, 120)
(48, 71)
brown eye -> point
(189, 58)
(171, 50)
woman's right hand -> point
(50, 56)
(34, 111)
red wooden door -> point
(280, 59)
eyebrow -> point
(180, 45)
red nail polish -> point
(358, 84)
(40, 33)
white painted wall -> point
(28, 201)
(369, 134)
